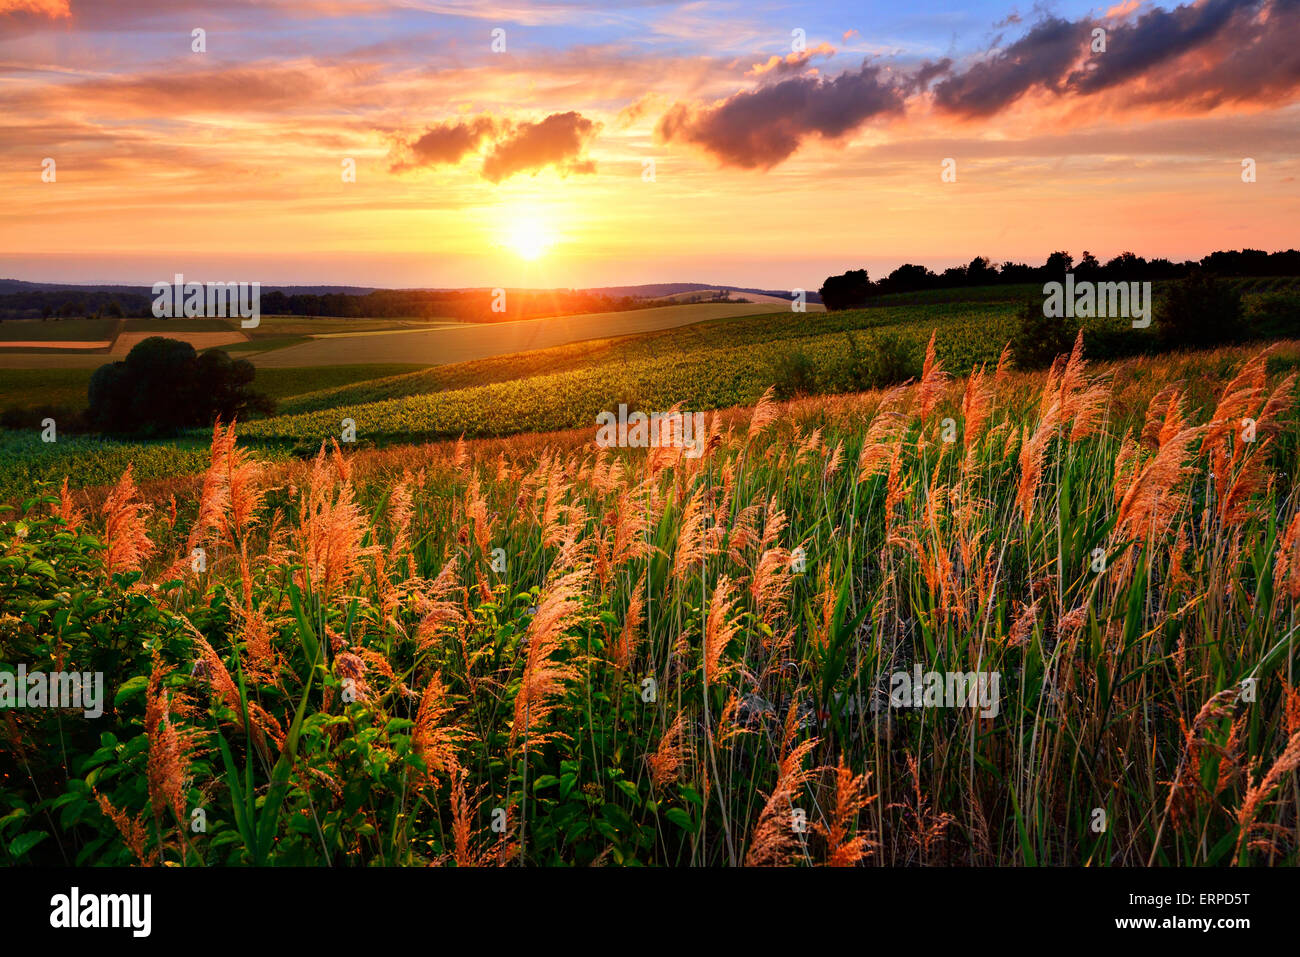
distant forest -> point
(850, 289)
(468, 305)
(855, 288)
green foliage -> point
(163, 386)
(1040, 338)
(794, 374)
(1199, 311)
(1272, 315)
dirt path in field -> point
(466, 342)
(55, 344)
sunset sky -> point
(772, 168)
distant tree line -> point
(854, 288)
(43, 304)
(468, 305)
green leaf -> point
(132, 688)
(681, 819)
(23, 843)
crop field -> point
(327, 325)
(27, 388)
(462, 342)
(18, 331)
(723, 363)
(537, 651)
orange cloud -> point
(558, 141)
(1121, 10)
(55, 9)
(792, 63)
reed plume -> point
(126, 542)
(545, 671)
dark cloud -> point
(1238, 41)
(1135, 48)
(928, 71)
(1189, 58)
(756, 129)
(559, 140)
(1039, 58)
(1248, 54)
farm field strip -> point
(466, 342)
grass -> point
(18, 331)
(263, 344)
(277, 326)
(705, 366)
(463, 342)
(28, 388)
(636, 657)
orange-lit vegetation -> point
(528, 651)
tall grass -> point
(519, 653)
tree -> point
(163, 386)
(1057, 265)
(1089, 268)
(846, 291)
(980, 272)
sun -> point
(529, 237)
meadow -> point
(707, 365)
(531, 651)
(463, 342)
(472, 637)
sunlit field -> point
(530, 650)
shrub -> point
(794, 374)
(1199, 311)
(1272, 315)
(886, 359)
(163, 386)
(1038, 338)
(892, 358)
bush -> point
(1272, 315)
(163, 386)
(1039, 339)
(794, 374)
(1199, 311)
(892, 358)
(887, 359)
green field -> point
(17, 331)
(711, 364)
(704, 366)
(463, 342)
(29, 388)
